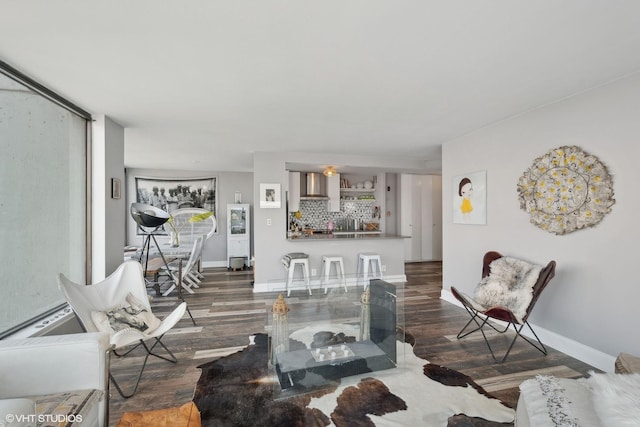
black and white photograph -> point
(270, 196)
(172, 194)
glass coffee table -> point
(316, 340)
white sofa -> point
(601, 400)
(43, 369)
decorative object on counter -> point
(565, 190)
(372, 226)
(270, 196)
(330, 171)
(359, 186)
(368, 185)
(470, 198)
(237, 197)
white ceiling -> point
(202, 84)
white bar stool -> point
(327, 262)
(366, 260)
(290, 261)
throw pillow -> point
(129, 314)
(616, 398)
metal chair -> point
(481, 315)
(126, 285)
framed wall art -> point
(470, 198)
(172, 194)
(565, 190)
(270, 196)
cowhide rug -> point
(237, 390)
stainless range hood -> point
(316, 185)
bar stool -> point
(290, 261)
(366, 260)
(325, 273)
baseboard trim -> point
(280, 286)
(214, 264)
(586, 354)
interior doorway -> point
(421, 216)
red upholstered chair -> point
(482, 314)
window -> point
(43, 198)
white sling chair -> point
(120, 306)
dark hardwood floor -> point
(227, 311)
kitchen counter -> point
(344, 235)
(347, 245)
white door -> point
(421, 216)
(406, 214)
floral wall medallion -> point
(565, 190)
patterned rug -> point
(238, 390)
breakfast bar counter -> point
(347, 245)
(339, 235)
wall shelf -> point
(357, 190)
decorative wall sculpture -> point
(565, 190)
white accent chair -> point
(40, 366)
(185, 275)
(190, 230)
(95, 304)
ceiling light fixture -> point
(329, 171)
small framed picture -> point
(270, 196)
(115, 188)
(470, 198)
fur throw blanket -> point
(509, 284)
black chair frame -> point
(482, 318)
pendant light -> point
(329, 171)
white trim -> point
(214, 264)
(589, 355)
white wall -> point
(108, 218)
(214, 253)
(593, 300)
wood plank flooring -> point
(227, 311)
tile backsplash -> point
(315, 214)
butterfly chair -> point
(508, 291)
(120, 306)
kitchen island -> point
(348, 245)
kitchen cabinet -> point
(333, 192)
(294, 191)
